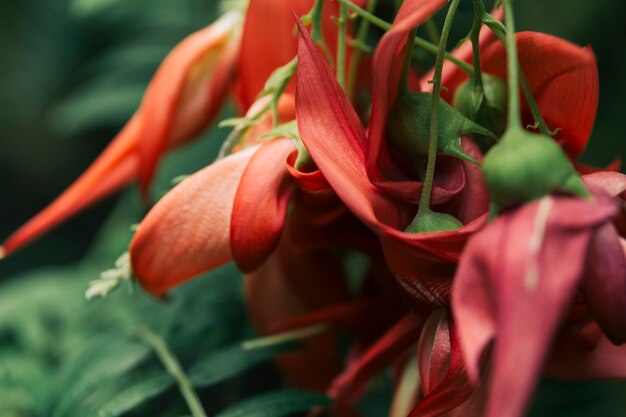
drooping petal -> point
(333, 135)
(260, 206)
(514, 282)
(442, 368)
(183, 97)
(563, 78)
(187, 91)
(604, 282)
(188, 231)
(114, 168)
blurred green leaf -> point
(233, 360)
(277, 404)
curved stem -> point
(434, 120)
(173, 367)
(479, 9)
(514, 117)
(355, 58)
(341, 45)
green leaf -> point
(233, 360)
(277, 404)
(136, 395)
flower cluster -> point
(489, 256)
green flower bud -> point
(486, 107)
(427, 220)
(525, 166)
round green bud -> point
(488, 109)
(525, 166)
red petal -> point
(188, 231)
(187, 91)
(445, 382)
(563, 78)
(271, 299)
(349, 385)
(113, 169)
(588, 169)
(514, 281)
(260, 205)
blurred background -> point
(71, 74)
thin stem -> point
(434, 121)
(355, 58)
(479, 9)
(173, 367)
(532, 104)
(419, 42)
(514, 117)
(341, 45)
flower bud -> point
(525, 166)
(486, 107)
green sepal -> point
(526, 166)
(427, 220)
(486, 106)
(408, 126)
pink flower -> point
(516, 281)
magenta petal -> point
(570, 361)
(260, 205)
(514, 281)
(604, 283)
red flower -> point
(182, 99)
(517, 279)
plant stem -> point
(514, 117)
(479, 9)
(434, 121)
(403, 84)
(173, 367)
(419, 42)
(341, 45)
(355, 58)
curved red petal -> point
(260, 206)
(188, 231)
(563, 78)
(114, 168)
(570, 361)
(187, 91)
(350, 384)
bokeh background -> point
(71, 73)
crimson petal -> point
(260, 206)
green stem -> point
(355, 58)
(341, 44)
(479, 9)
(173, 367)
(434, 121)
(530, 99)
(419, 42)
(514, 117)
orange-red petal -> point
(188, 230)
